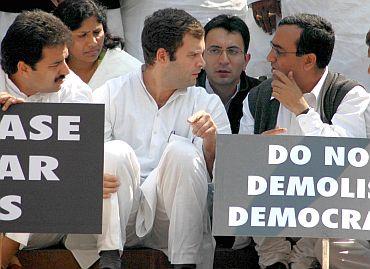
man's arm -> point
(348, 121)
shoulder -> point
(118, 87)
(119, 56)
(73, 90)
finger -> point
(8, 103)
(110, 190)
(111, 184)
(266, 22)
(195, 117)
(207, 128)
(281, 76)
(291, 77)
(109, 177)
(275, 131)
(272, 18)
(106, 195)
(277, 84)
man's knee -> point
(117, 155)
(183, 154)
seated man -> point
(293, 102)
(167, 129)
(33, 54)
(226, 56)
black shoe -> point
(185, 266)
(315, 265)
(277, 265)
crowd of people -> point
(166, 103)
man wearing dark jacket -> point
(227, 41)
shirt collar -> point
(13, 89)
(316, 90)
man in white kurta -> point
(298, 81)
(168, 128)
(43, 76)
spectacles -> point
(280, 53)
(230, 52)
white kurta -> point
(73, 90)
(134, 13)
(350, 20)
(171, 201)
(349, 121)
(116, 62)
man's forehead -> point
(50, 53)
(218, 35)
(287, 34)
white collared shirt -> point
(210, 90)
(73, 90)
(132, 115)
(348, 121)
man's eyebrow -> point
(214, 46)
(276, 45)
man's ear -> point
(247, 58)
(309, 61)
(162, 56)
(23, 68)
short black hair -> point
(317, 36)
(73, 13)
(368, 38)
(25, 39)
(232, 24)
(166, 29)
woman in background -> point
(94, 54)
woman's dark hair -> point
(73, 13)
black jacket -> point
(235, 111)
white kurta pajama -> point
(171, 201)
(349, 121)
(116, 62)
(73, 90)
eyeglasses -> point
(280, 53)
(230, 52)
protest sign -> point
(51, 168)
(292, 186)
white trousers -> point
(170, 206)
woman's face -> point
(87, 41)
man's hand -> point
(203, 126)
(6, 100)
(276, 131)
(287, 92)
(265, 13)
(110, 185)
